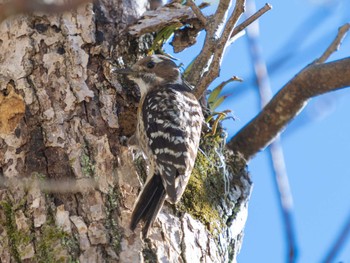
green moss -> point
(141, 167)
(71, 243)
(206, 187)
(48, 246)
(88, 168)
(52, 243)
(113, 199)
(18, 240)
(15, 237)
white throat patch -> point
(145, 86)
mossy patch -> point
(50, 242)
(16, 238)
(87, 166)
(49, 245)
(206, 187)
(113, 204)
(53, 244)
(141, 167)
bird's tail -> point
(148, 204)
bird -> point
(168, 131)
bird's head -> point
(153, 71)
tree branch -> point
(167, 15)
(315, 79)
(206, 67)
(217, 49)
(312, 81)
(251, 19)
(342, 31)
(339, 242)
(213, 29)
(197, 12)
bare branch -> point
(213, 30)
(284, 196)
(312, 81)
(197, 11)
(251, 19)
(221, 11)
(339, 242)
(342, 31)
(25, 6)
(206, 66)
(155, 20)
(203, 5)
(217, 49)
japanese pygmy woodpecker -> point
(169, 123)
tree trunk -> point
(68, 183)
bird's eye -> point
(150, 64)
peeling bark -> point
(73, 127)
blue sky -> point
(316, 144)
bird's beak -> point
(124, 71)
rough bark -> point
(72, 128)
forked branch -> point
(206, 67)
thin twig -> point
(284, 197)
(219, 49)
(339, 242)
(276, 155)
(213, 31)
(213, 50)
(334, 46)
(197, 12)
(251, 19)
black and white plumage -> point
(168, 132)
